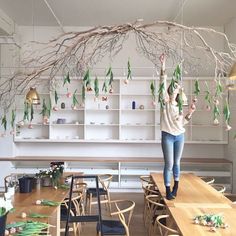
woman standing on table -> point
(172, 121)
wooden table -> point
(195, 197)
(25, 202)
(192, 190)
(184, 216)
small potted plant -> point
(11, 186)
(5, 207)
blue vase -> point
(133, 105)
(3, 220)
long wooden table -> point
(192, 190)
(195, 197)
(26, 202)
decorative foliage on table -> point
(129, 73)
(54, 173)
(226, 112)
(96, 88)
(46, 202)
(211, 220)
(37, 215)
(28, 228)
(74, 100)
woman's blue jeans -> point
(172, 147)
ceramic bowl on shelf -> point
(61, 121)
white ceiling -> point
(101, 12)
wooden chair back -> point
(164, 230)
(105, 180)
(219, 187)
(124, 211)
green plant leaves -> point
(66, 79)
(45, 202)
(4, 122)
(226, 111)
(153, 90)
(56, 98)
(196, 88)
(37, 215)
(96, 87)
(129, 73)
(177, 73)
(74, 98)
(13, 118)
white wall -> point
(102, 149)
(230, 149)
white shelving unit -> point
(125, 115)
(126, 171)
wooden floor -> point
(136, 227)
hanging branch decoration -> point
(26, 112)
(56, 98)
(216, 114)
(86, 48)
(177, 73)
(44, 113)
(96, 88)
(49, 107)
(4, 122)
(104, 89)
(67, 81)
(226, 112)
(219, 89)
(207, 97)
(74, 101)
(83, 96)
(30, 126)
(111, 79)
(153, 92)
(129, 74)
(13, 119)
(87, 81)
(197, 90)
(161, 98)
(218, 94)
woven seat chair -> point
(104, 181)
(75, 211)
(124, 211)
